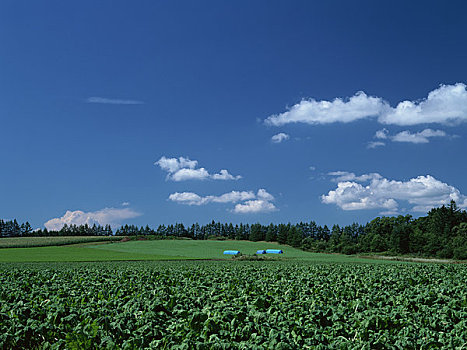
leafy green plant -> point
(232, 305)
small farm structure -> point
(274, 251)
(261, 251)
(231, 252)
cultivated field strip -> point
(27, 242)
(233, 305)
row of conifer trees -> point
(441, 233)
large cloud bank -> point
(444, 105)
(372, 191)
(250, 202)
(182, 169)
(111, 216)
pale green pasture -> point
(168, 250)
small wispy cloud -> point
(406, 136)
(419, 137)
(278, 138)
(112, 101)
(374, 144)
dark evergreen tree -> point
(294, 236)
(282, 234)
(271, 235)
(256, 233)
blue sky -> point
(159, 112)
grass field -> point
(27, 242)
(165, 250)
(192, 249)
(198, 249)
(72, 253)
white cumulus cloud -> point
(382, 134)
(310, 111)
(264, 195)
(233, 197)
(278, 138)
(191, 198)
(225, 175)
(111, 216)
(171, 165)
(445, 105)
(189, 174)
(254, 206)
(252, 203)
(372, 191)
(188, 198)
(182, 169)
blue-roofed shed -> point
(231, 252)
(274, 251)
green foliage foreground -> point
(233, 305)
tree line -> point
(13, 229)
(441, 233)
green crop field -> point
(27, 242)
(232, 305)
(81, 297)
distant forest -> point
(442, 233)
